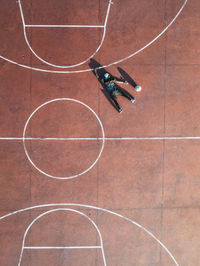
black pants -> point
(119, 91)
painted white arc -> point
(61, 66)
(60, 177)
(114, 63)
(62, 209)
(95, 208)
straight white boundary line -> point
(100, 209)
(106, 138)
(62, 209)
(80, 247)
(58, 66)
(114, 63)
(64, 26)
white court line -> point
(61, 177)
(64, 26)
(114, 63)
(100, 209)
(75, 247)
(58, 66)
(63, 209)
(117, 138)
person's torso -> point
(110, 85)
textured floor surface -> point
(62, 142)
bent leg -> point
(126, 94)
(114, 98)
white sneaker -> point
(132, 100)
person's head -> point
(106, 75)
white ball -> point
(138, 88)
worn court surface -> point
(143, 164)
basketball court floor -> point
(81, 184)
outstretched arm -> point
(117, 80)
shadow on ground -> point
(101, 71)
(126, 76)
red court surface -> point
(81, 184)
